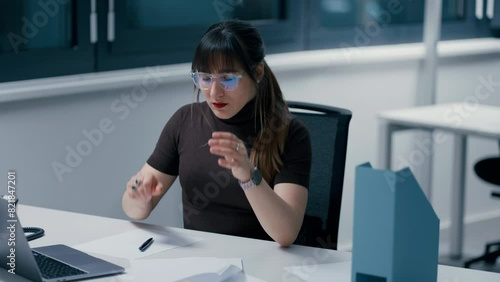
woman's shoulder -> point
(297, 133)
(297, 127)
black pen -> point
(146, 244)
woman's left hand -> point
(233, 153)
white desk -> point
(261, 259)
(460, 119)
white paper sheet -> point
(126, 245)
(193, 269)
(323, 272)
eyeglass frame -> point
(216, 76)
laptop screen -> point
(17, 257)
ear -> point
(259, 72)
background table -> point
(460, 119)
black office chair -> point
(488, 170)
(328, 128)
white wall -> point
(36, 132)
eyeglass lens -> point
(204, 81)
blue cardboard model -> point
(396, 231)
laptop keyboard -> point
(51, 268)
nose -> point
(216, 89)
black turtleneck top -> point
(212, 199)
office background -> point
(46, 123)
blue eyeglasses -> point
(228, 81)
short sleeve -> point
(165, 156)
(296, 157)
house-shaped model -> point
(396, 231)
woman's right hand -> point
(143, 186)
(144, 190)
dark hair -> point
(227, 43)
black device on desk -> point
(44, 264)
(33, 232)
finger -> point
(222, 142)
(131, 183)
(239, 147)
(149, 183)
(143, 193)
(131, 188)
(224, 135)
(158, 189)
(136, 182)
(147, 186)
(227, 146)
(138, 188)
(223, 151)
(225, 138)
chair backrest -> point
(328, 128)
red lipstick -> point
(219, 105)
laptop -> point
(45, 264)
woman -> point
(243, 162)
